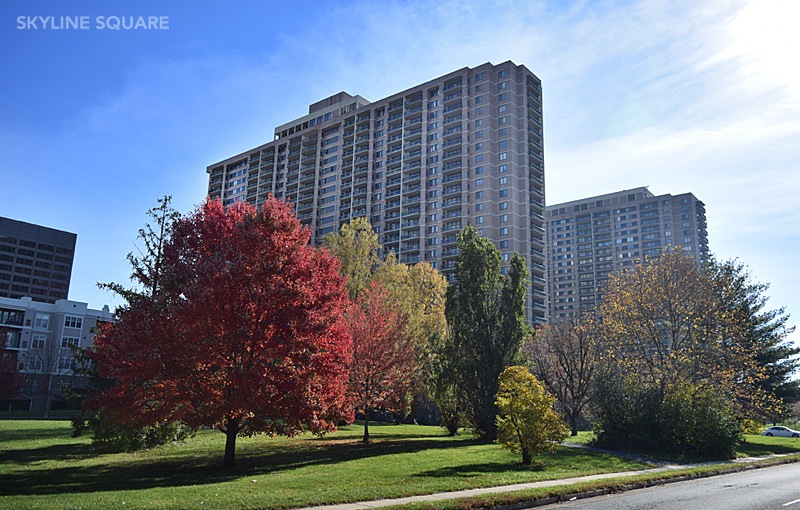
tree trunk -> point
(526, 457)
(366, 427)
(573, 423)
(48, 395)
(231, 430)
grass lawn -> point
(41, 466)
(757, 445)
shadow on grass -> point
(572, 460)
(27, 434)
(474, 470)
(178, 471)
(757, 450)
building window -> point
(478, 134)
(479, 123)
(479, 220)
(502, 85)
(503, 218)
(501, 108)
(38, 341)
(503, 132)
(503, 180)
(503, 205)
(478, 169)
(503, 156)
(69, 341)
(504, 244)
(504, 231)
(502, 120)
(42, 321)
(479, 207)
(503, 144)
(503, 168)
(479, 158)
(503, 193)
(73, 322)
(478, 99)
(478, 195)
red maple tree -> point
(245, 335)
(384, 364)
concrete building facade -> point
(589, 239)
(37, 341)
(35, 261)
(462, 149)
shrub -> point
(527, 420)
(125, 438)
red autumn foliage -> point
(246, 333)
(384, 365)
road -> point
(763, 489)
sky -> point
(680, 96)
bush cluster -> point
(684, 418)
(126, 438)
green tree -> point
(356, 246)
(765, 331)
(147, 268)
(527, 420)
(485, 314)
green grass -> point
(525, 498)
(757, 446)
(41, 466)
(584, 437)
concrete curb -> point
(731, 467)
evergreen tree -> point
(765, 331)
(485, 313)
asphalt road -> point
(763, 489)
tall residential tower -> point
(462, 149)
(593, 237)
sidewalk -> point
(441, 496)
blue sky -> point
(680, 96)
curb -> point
(733, 467)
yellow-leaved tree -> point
(527, 421)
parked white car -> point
(781, 432)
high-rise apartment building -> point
(462, 149)
(589, 239)
(35, 261)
